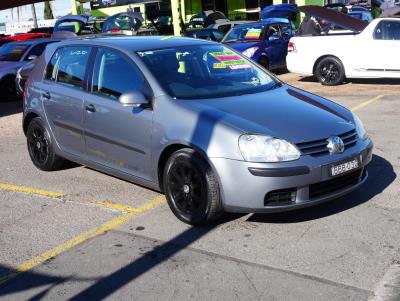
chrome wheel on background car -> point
(40, 147)
(191, 188)
(330, 71)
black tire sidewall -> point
(264, 62)
(203, 167)
(340, 67)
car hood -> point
(10, 66)
(285, 112)
(242, 46)
(334, 17)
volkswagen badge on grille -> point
(335, 145)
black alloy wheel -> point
(40, 147)
(191, 188)
(330, 71)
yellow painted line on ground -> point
(117, 206)
(112, 224)
(50, 194)
(366, 103)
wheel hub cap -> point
(186, 188)
(38, 145)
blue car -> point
(265, 42)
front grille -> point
(318, 147)
(331, 186)
(280, 197)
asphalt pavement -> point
(78, 234)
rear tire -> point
(40, 147)
(191, 188)
(330, 71)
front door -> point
(117, 136)
(62, 93)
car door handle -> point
(46, 95)
(90, 108)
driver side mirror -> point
(134, 99)
(32, 57)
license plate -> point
(344, 167)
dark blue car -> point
(265, 42)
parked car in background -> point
(205, 34)
(206, 18)
(127, 23)
(362, 15)
(79, 25)
(264, 42)
(236, 124)
(225, 26)
(12, 57)
(366, 51)
(23, 37)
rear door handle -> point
(46, 95)
(90, 108)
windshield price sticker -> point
(253, 34)
(229, 60)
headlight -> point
(250, 51)
(361, 132)
(256, 148)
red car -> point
(23, 37)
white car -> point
(371, 53)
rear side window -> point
(387, 30)
(114, 74)
(51, 70)
(72, 66)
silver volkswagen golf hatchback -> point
(193, 119)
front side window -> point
(205, 71)
(72, 66)
(114, 74)
(387, 30)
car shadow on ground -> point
(10, 108)
(380, 176)
(359, 81)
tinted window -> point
(51, 70)
(387, 30)
(225, 28)
(114, 74)
(37, 50)
(72, 66)
(205, 71)
(245, 33)
(12, 52)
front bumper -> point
(247, 187)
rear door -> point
(117, 136)
(63, 93)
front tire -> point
(40, 147)
(191, 188)
(263, 61)
(330, 71)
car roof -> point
(138, 43)
(34, 41)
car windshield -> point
(12, 52)
(248, 33)
(206, 71)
